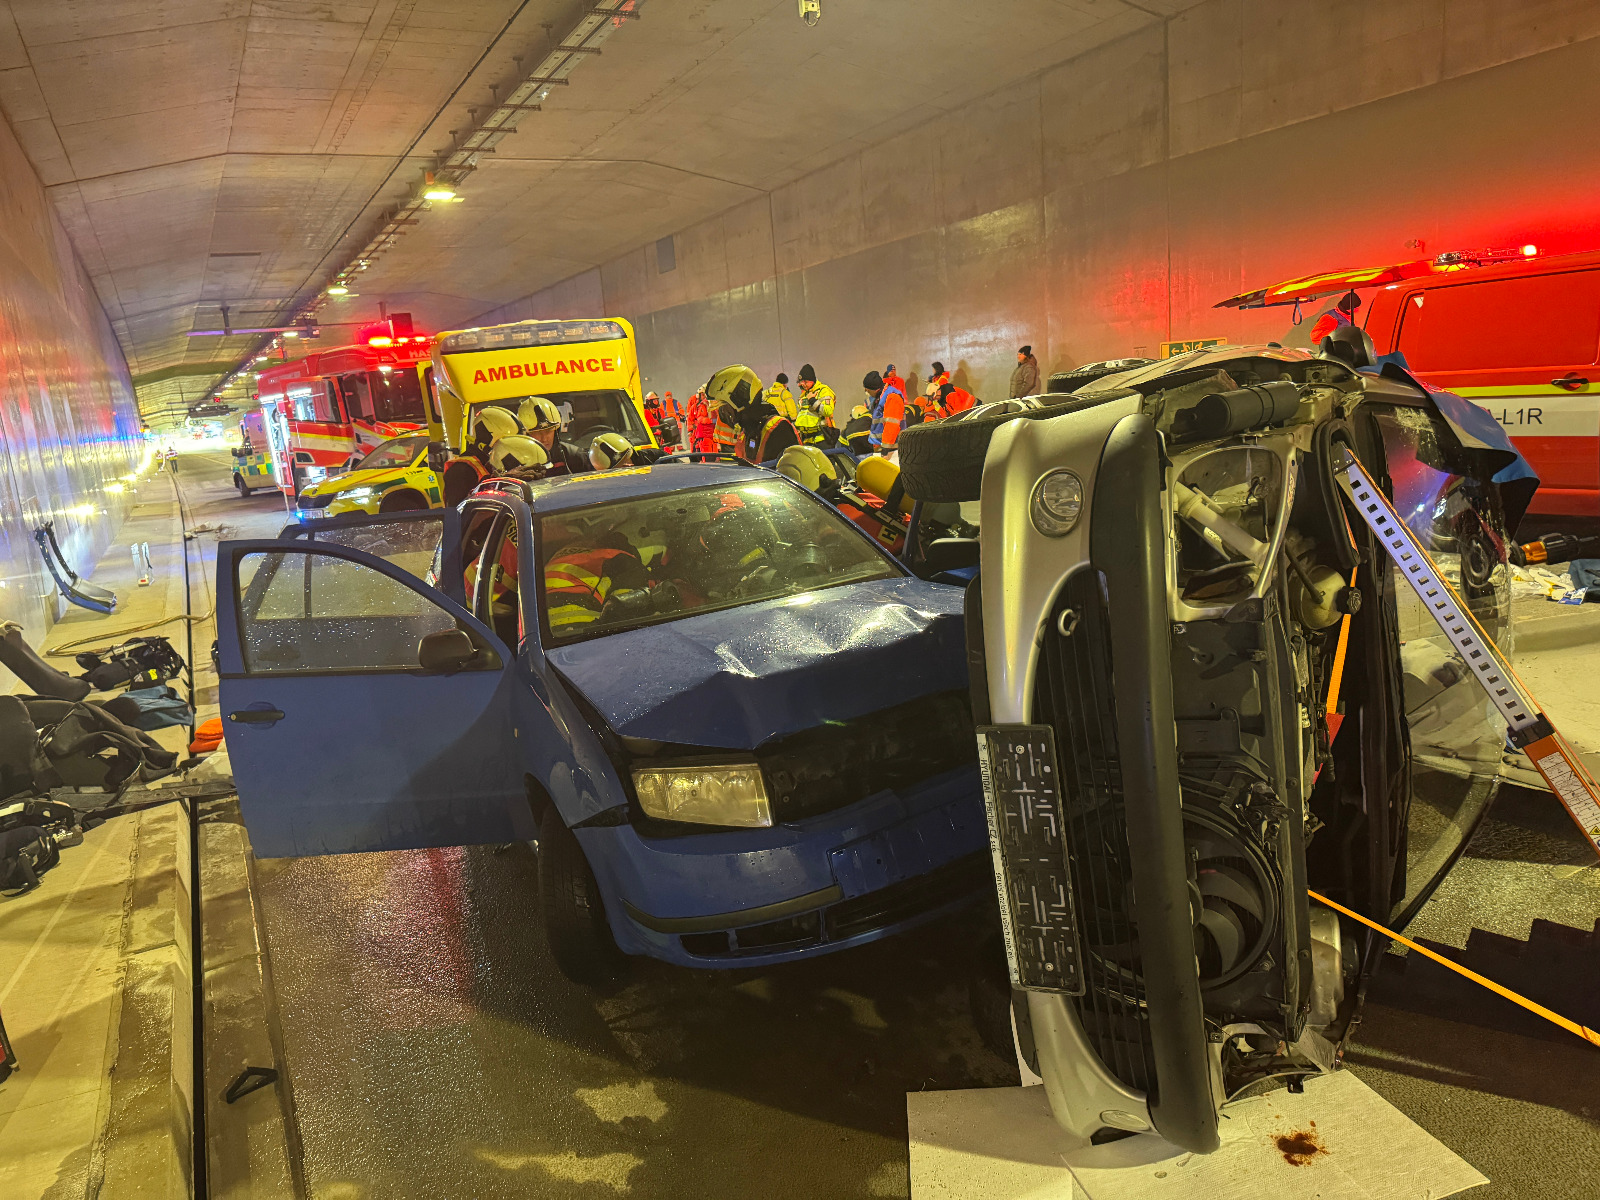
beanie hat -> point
(1026, 350)
(938, 368)
(782, 378)
(873, 381)
(808, 374)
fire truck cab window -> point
(357, 402)
(396, 395)
(312, 403)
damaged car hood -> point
(737, 678)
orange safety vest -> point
(959, 400)
(576, 584)
(894, 414)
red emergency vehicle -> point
(1515, 332)
(331, 407)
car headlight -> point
(730, 795)
(1057, 503)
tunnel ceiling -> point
(239, 152)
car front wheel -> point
(574, 915)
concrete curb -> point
(145, 1146)
(250, 1146)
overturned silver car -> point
(1201, 695)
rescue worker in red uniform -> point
(652, 411)
(756, 430)
(953, 399)
(702, 424)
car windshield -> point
(584, 414)
(639, 562)
(396, 452)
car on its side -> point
(395, 476)
(1207, 701)
(749, 743)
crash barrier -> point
(1528, 728)
(75, 588)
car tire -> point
(403, 501)
(942, 462)
(244, 488)
(574, 915)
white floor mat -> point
(1339, 1140)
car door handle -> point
(1570, 382)
(256, 716)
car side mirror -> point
(446, 651)
(950, 554)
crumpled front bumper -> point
(1125, 1054)
(740, 898)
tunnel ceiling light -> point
(338, 289)
(438, 193)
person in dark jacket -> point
(857, 433)
(1025, 375)
(757, 431)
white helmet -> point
(538, 414)
(517, 454)
(609, 451)
(492, 423)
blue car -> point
(737, 729)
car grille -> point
(1073, 695)
(952, 883)
(833, 766)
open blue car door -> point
(365, 707)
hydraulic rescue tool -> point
(1529, 729)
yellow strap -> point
(1540, 1010)
(1336, 676)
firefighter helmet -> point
(807, 466)
(490, 424)
(609, 451)
(734, 387)
(538, 414)
(518, 454)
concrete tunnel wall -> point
(69, 425)
(1105, 205)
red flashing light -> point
(380, 341)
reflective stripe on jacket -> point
(576, 584)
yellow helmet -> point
(807, 466)
(609, 451)
(860, 410)
(878, 476)
(517, 453)
(490, 424)
(537, 413)
(736, 387)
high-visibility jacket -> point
(578, 581)
(958, 400)
(810, 428)
(782, 399)
(820, 399)
(888, 414)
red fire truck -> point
(328, 409)
(1514, 331)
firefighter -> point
(652, 411)
(489, 425)
(812, 470)
(611, 452)
(888, 411)
(857, 433)
(781, 398)
(541, 420)
(586, 574)
(745, 419)
(519, 456)
(811, 429)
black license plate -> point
(1022, 793)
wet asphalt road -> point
(435, 1051)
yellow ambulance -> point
(589, 369)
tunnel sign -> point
(1173, 349)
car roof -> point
(566, 492)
